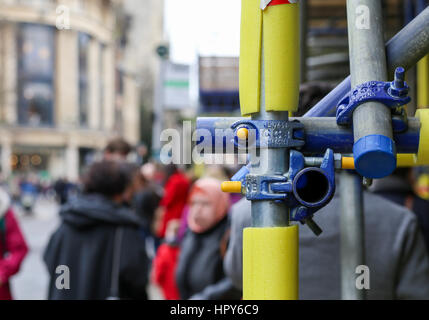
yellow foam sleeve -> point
(250, 56)
(270, 263)
(423, 153)
(423, 83)
(281, 57)
(277, 30)
(406, 160)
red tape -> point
(277, 2)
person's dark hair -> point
(109, 178)
(118, 145)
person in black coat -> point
(98, 241)
(199, 274)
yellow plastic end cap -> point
(243, 133)
(231, 186)
(348, 163)
(423, 153)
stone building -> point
(61, 95)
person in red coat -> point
(13, 247)
(174, 199)
(165, 262)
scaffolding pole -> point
(371, 125)
(405, 49)
(352, 244)
(270, 40)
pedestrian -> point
(145, 203)
(174, 199)
(147, 199)
(400, 188)
(199, 273)
(61, 190)
(98, 241)
(13, 247)
(117, 150)
(165, 262)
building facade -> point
(61, 96)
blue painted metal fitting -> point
(323, 177)
(270, 134)
(258, 187)
(398, 88)
(375, 156)
(392, 94)
(241, 174)
(305, 190)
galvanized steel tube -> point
(405, 49)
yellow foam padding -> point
(423, 83)
(281, 57)
(406, 160)
(270, 263)
(423, 153)
(250, 56)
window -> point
(84, 41)
(36, 66)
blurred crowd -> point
(126, 226)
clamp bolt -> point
(398, 88)
(399, 78)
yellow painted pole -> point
(423, 83)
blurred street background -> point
(75, 74)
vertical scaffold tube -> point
(269, 89)
(374, 149)
(352, 236)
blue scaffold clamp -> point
(304, 189)
(393, 94)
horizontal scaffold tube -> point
(320, 134)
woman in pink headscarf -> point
(200, 272)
